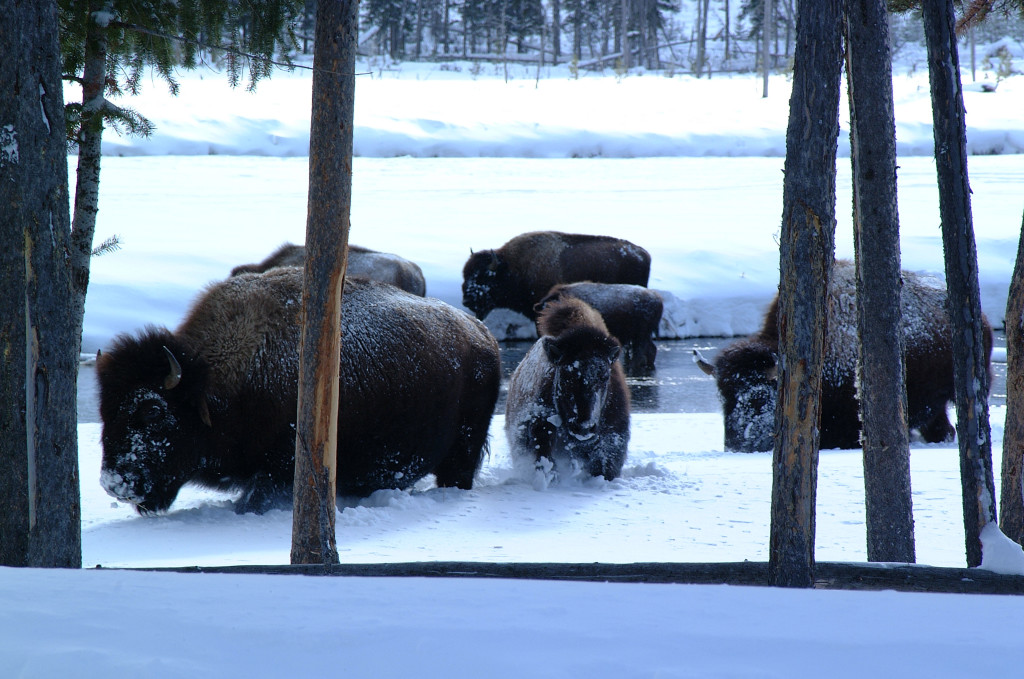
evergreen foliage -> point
(164, 34)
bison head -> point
(747, 377)
(155, 418)
(583, 361)
(482, 278)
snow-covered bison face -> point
(153, 424)
(747, 377)
(580, 386)
(481, 278)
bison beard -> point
(745, 371)
(419, 380)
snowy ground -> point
(710, 224)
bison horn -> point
(174, 377)
(703, 364)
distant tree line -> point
(695, 35)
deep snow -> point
(710, 223)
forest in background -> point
(701, 37)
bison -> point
(631, 312)
(362, 263)
(519, 273)
(567, 401)
(214, 402)
(746, 371)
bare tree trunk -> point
(87, 187)
(624, 36)
(970, 369)
(40, 507)
(556, 31)
(1011, 498)
(327, 229)
(765, 44)
(727, 30)
(883, 394)
(807, 249)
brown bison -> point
(631, 312)
(746, 371)
(568, 402)
(214, 403)
(519, 273)
(362, 263)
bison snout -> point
(120, 487)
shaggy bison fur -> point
(362, 263)
(214, 402)
(631, 312)
(746, 373)
(568, 403)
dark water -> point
(676, 386)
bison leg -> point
(461, 464)
(936, 427)
(261, 495)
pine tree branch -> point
(230, 50)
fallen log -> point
(827, 575)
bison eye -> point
(149, 411)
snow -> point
(1000, 554)
(689, 169)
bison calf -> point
(214, 403)
(567, 400)
(746, 371)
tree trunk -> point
(727, 30)
(1011, 507)
(327, 228)
(970, 370)
(40, 512)
(87, 186)
(889, 512)
(556, 32)
(624, 35)
(702, 36)
(806, 252)
(765, 45)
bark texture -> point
(807, 248)
(40, 515)
(970, 370)
(327, 228)
(1011, 497)
(882, 389)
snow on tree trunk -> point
(970, 370)
(327, 229)
(40, 507)
(883, 396)
(807, 248)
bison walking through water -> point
(522, 271)
(568, 401)
(362, 263)
(631, 312)
(214, 403)
(746, 373)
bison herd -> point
(214, 402)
